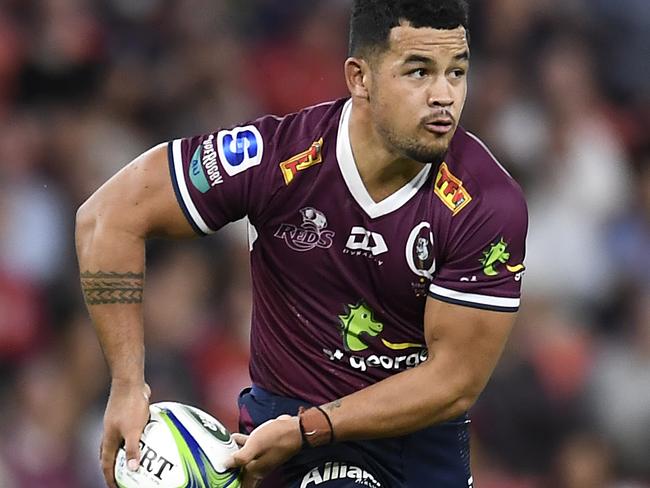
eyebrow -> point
(417, 58)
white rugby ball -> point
(181, 447)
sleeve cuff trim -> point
(182, 192)
(483, 302)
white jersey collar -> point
(353, 180)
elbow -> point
(462, 405)
(84, 218)
(85, 224)
(464, 398)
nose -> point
(440, 93)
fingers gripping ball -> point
(181, 447)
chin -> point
(428, 155)
(433, 153)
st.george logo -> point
(360, 328)
(240, 149)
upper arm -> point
(139, 199)
(481, 264)
(466, 341)
(475, 294)
(224, 176)
(195, 185)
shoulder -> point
(300, 125)
(483, 238)
(266, 141)
(483, 177)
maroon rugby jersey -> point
(340, 281)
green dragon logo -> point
(359, 323)
(497, 253)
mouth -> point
(439, 126)
(441, 122)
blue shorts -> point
(436, 457)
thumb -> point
(240, 458)
(240, 439)
(132, 448)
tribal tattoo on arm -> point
(102, 288)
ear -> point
(358, 77)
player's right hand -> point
(126, 416)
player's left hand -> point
(266, 448)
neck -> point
(382, 171)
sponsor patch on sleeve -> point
(300, 162)
(240, 149)
(451, 190)
(496, 258)
(204, 170)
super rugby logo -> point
(240, 149)
(311, 234)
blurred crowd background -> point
(560, 90)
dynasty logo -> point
(363, 242)
(312, 233)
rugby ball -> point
(181, 447)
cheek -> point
(396, 104)
(394, 88)
(461, 94)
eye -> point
(458, 73)
(418, 73)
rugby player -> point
(387, 249)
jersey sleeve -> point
(484, 262)
(226, 175)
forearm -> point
(401, 404)
(464, 346)
(111, 263)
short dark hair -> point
(372, 20)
